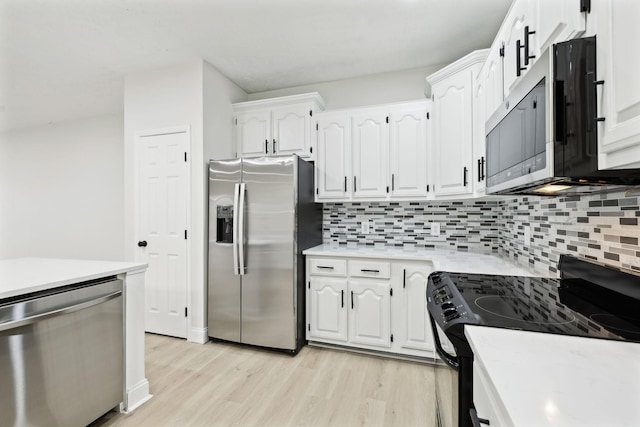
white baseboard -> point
(199, 335)
(136, 396)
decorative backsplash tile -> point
(464, 225)
(600, 227)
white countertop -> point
(555, 380)
(442, 259)
(25, 275)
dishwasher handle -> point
(53, 313)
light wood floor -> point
(225, 384)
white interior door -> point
(162, 224)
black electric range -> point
(589, 300)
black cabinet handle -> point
(393, 182)
(464, 176)
(365, 270)
(354, 184)
(475, 420)
(482, 168)
(593, 102)
(527, 57)
(142, 243)
(325, 267)
(519, 67)
(427, 188)
(352, 299)
(342, 298)
(404, 278)
(273, 149)
(479, 172)
(266, 146)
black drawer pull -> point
(325, 267)
(366, 270)
(342, 298)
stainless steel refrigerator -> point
(262, 215)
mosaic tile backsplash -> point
(465, 226)
(532, 230)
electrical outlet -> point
(435, 228)
(364, 227)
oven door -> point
(446, 379)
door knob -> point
(142, 243)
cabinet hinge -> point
(316, 191)
(391, 291)
(502, 50)
(387, 119)
(585, 6)
(309, 285)
(185, 312)
(427, 116)
(316, 126)
(433, 97)
(309, 327)
(311, 149)
(311, 113)
(185, 234)
(391, 337)
(185, 156)
(535, 103)
(236, 122)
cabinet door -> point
(554, 21)
(408, 149)
(253, 132)
(415, 328)
(479, 137)
(327, 309)
(369, 142)
(453, 134)
(292, 130)
(514, 34)
(370, 313)
(492, 75)
(618, 62)
(333, 157)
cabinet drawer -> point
(376, 269)
(328, 267)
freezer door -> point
(224, 279)
(268, 285)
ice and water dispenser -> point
(224, 223)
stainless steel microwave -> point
(543, 140)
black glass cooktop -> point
(568, 306)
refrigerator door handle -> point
(242, 255)
(236, 194)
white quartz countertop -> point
(25, 275)
(442, 259)
(556, 380)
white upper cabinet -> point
(479, 134)
(253, 133)
(555, 21)
(452, 124)
(369, 142)
(333, 163)
(277, 126)
(491, 75)
(386, 156)
(615, 25)
(408, 151)
(512, 39)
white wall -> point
(61, 190)
(407, 85)
(195, 95)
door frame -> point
(186, 129)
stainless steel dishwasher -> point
(61, 355)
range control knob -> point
(450, 314)
(447, 305)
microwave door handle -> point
(236, 207)
(450, 360)
(242, 255)
(591, 100)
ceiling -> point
(64, 59)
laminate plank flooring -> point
(220, 384)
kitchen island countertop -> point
(21, 276)
(540, 379)
(442, 259)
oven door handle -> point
(450, 360)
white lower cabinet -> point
(484, 399)
(374, 305)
